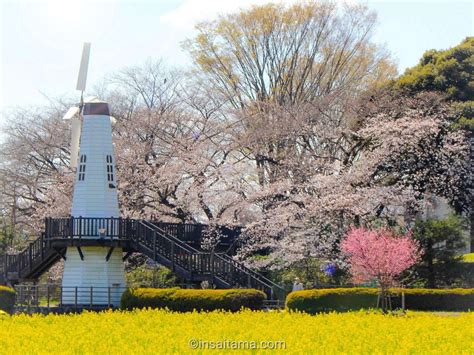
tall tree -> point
(451, 73)
(406, 151)
(379, 255)
(270, 61)
(441, 240)
(448, 71)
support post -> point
(172, 256)
(5, 270)
(80, 227)
(46, 230)
(80, 253)
(47, 295)
(120, 231)
(213, 269)
(71, 230)
(42, 245)
(30, 258)
(109, 254)
(75, 298)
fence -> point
(56, 296)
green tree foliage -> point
(312, 272)
(6, 238)
(465, 114)
(449, 71)
(10, 238)
(290, 54)
(150, 276)
(441, 240)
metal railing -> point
(156, 242)
(121, 228)
(56, 298)
(80, 227)
(52, 296)
(25, 260)
(160, 242)
(193, 232)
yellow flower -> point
(160, 331)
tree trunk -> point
(429, 260)
(384, 298)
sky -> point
(41, 40)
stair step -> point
(154, 242)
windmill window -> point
(82, 168)
(110, 168)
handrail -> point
(256, 274)
(258, 277)
(116, 227)
(227, 258)
(224, 258)
(143, 235)
(84, 227)
(170, 236)
(54, 296)
(194, 231)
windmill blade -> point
(71, 113)
(82, 78)
(75, 137)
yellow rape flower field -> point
(158, 331)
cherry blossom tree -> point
(379, 255)
(397, 151)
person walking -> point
(297, 285)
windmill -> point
(92, 265)
(73, 114)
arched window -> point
(82, 168)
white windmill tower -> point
(95, 273)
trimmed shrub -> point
(347, 299)
(146, 297)
(187, 300)
(334, 299)
(7, 299)
(456, 299)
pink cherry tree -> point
(379, 255)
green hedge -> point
(456, 299)
(335, 299)
(347, 299)
(187, 300)
(7, 299)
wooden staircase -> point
(194, 265)
(32, 262)
(159, 244)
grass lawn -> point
(158, 331)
